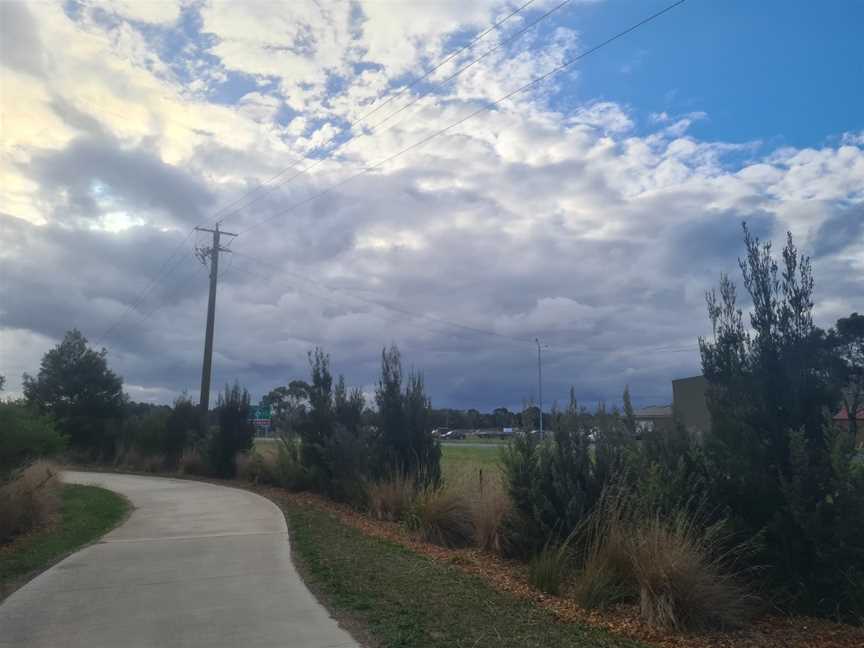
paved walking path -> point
(195, 565)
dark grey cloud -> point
(94, 168)
(20, 45)
(57, 278)
(706, 239)
(844, 228)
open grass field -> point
(460, 459)
(400, 599)
(86, 513)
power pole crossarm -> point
(213, 253)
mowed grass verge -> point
(401, 599)
(86, 514)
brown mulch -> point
(769, 631)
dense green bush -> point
(233, 434)
(153, 437)
(333, 444)
(403, 442)
(341, 451)
(779, 468)
(83, 396)
(555, 482)
(25, 435)
(772, 471)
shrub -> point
(404, 442)
(550, 567)
(442, 517)
(288, 471)
(25, 435)
(391, 499)
(192, 462)
(280, 467)
(85, 398)
(686, 576)
(772, 376)
(181, 429)
(605, 577)
(555, 483)
(247, 466)
(684, 573)
(28, 500)
(135, 460)
(234, 432)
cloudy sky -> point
(592, 209)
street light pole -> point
(540, 384)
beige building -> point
(690, 405)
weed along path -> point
(195, 564)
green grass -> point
(86, 513)
(402, 599)
(460, 461)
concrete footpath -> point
(195, 565)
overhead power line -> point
(265, 187)
(374, 129)
(268, 189)
(142, 295)
(397, 309)
(534, 82)
(342, 302)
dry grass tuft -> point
(606, 576)
(686, 577)
(247, 465)
(192, 462)
(551, 568)
(682, 572)
(488, 511)
(29, 499)
(442, 516)
(134, 459)
(392, 498)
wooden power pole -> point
(213, 254)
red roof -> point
(843, 415)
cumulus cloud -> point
(538, 218)
(20, 44)
(93, 175)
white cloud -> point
(148, 11)
(527, 220)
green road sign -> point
(259, 413)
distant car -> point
(453, 434)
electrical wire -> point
(163, 269)
(397, 309)
(401, 91)
(536, 81)
(267, 187)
